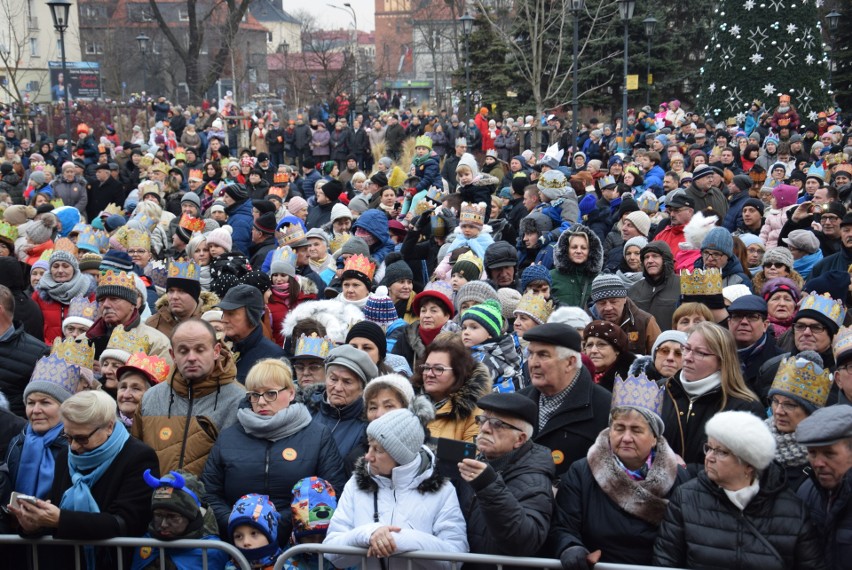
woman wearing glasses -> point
(97, 492)
(738, 512)
(666, 358)
(710, 382)
(777, 262)
(274, 443)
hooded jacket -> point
(181, 422)
(376, 222)
(661, 296)
(503, 361)
(572, 283)
(165, 322)
(240, 218)
(839, 261)
(456, 418)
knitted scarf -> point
(285, 423)
(779, 327)
(428, 335)
(77, 286)
(788, 451)
(35, 472)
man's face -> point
(704, 183)
(102, 175)
(611, 309)
(714, 259)
(727, 157)
(617, 169)
(809, 334)
(669, 183)
(548, 373)
(115, 311)
(530, 201)
(846, 235)
(747, 328)
(653, 263)
(237, 325)
(830, 225)
(841, 178)
(69, 173)
(830, 463)
(503, 276)
(751, 216)
(194, 351)
(495, 442)
(181, 303)
(531, 240)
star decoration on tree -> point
(734, 99)
(819, 3)
(757, 37)
(712, 88)
(768, 89)
(809, 59)
(785, 55)
(740, 118)
(728, 56)
(807, 38)
(791, 28)
(735, 30)
(822, 83)
(749, 5)
(778, 5)
(756, 58)
(812, 116)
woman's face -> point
(4, 250)
(40, 200)
(265, 408)
(322, 200)
(628, 178)
(600, 352)
(578, 249)
(523, 323)
(354, 290)
(686, 322)
(669, 358)
(698, 159)
(381, 402)
(773, 270)
(61, 271)
(367, 346)
(631, 256)
(631, 439)
(388, 198)
(341, 225)
(440, 379)
(42, 412)
(342, 386)
(108, 368)
(400, 290)
(131, 388)
(99, 435)
(211, 171)
(698, 360)
(786, 413)
(432, 316)
(724, 468)
(381, 463)
(35, 276)
(755, 255)
(781, 306)
(201, 255)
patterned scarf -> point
(788, 451)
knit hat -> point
(313, 505)
(574, 317)
(237, 192)
(779, 255)
(119, 284)
(281, 266)
(701, 171)
(221, 237)
(265, 223)
(756, 204)
(607, 332)
(638, 241)
(508, 298)
(380, 179)
(117, 261)
(743, 182)
(476, 291)
(40, 231)
(257, 511)
(488, 315)
(179, 492)
(55, 377)
(608, 286)
(64, 256)
(354, 246)
(379, 309)
(785, 195)
(781, 284)
(396, 382)
(397, 271)
(296, 204)
(18, 214)
(467, 269)
(751, 239)
(641, 221)
(745, 435)
(353, 359)
(400, 433)
(666, 336)
(719, 239)
(535, 272)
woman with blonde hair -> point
(710, 381)
(690, 314)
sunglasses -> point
(774, 265)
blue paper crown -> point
(158, 272)
(82, 308)
(184, 270)
(57, 371)
(90, 240)
(313, 346)
(145, 221)
(638, 392)
(825, 305)
(284, 253)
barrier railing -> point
(121, 543)
(455, 559)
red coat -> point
(673, 236)
(279, 307)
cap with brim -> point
(680, 200)
(556, 334)
(825, 426)
(749, 304)
(510, 404)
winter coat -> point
(394, 137)
(18, 356)
(734, 217)
(456, 418)
(712, 198)
(185, 558)
(773, 222)
(503, 361)
(55, 312)
(11, 184)
(654, 178)
(429, 173)
(319, 215)
(662, 298)
(165, 322)
(110, 192)
(259, 251)
(241, 463)
(415, 498)
(320, 140)
(673, 236)
(574, 427)
(375, 222)
(347, 424)
(71, 193)
(601, 508)
(704, 529)
(240, 218)
(685, 418)
(253, 348)
(839, 261)
(509, 506)
(181, 422)
(12, 457)
(640, 327)
(831, 514)
(480, 190)
(572, 284)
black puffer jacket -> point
(832, 516)
(18, 355)
(508, 508)
(704, 529)
(14, 274)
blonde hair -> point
(91, 408)
(358, 177)
(269, 370)
(689, 309)
(463, 168)
(721, 342)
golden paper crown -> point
(825, 305)
(184, 270)
(472, 213)
(842, 341)
(128, 341)
(472, 258)
(290, 234)
(338, 241)
(8, 231)
(57, 203)
(90, 240)
(49, 168)
(146, 160)
(113, 209)
(132, 238)
(112, 278)
(79, 352)
(360, 264)
(161, 167)
(638, 392)
(65, 244)
(155, 367)
(195, 174)
(37, 165)
(191, 224)
(45, 255)
(535, 306)
(802, 381)
(701, 282)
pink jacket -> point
(772, 224)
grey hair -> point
(91, 408)
(564, 353)
(525, 427)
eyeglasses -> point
(713, 254)
(717, 451)
(269, 395)
(847, 369)
(786, 406)
(829, 218)
(81, 439)
(596, 346)
(815, 328)
(312, 368)
(774, 265)
(132, 252)
(435, 370)
(665, 351)
(696, 353)
(495, 423)
(750, 317)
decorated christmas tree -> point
(761, 49)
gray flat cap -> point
(825, 426)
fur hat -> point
(745, 435)
(697, 228)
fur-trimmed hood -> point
(336, 316)
(462, 402)
(644, 499)
(206, 301)
(485, 180)
(759, 280)
(426, 477)
(592, 265)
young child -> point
(467, 268)
(427, 168)
(536, 280)
(474, 186)
(313, 505)
(482, 333)
(783, 197)
(253, 527)
(471, 232)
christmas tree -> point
(760, 49)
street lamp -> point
(625, 10)
(467, 28)
(354, 39)
(143, 40)
(59, 11)
(833, 18)
(650, 24)
(577, 6)
(285, 49)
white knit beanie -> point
(396, 382)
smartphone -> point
(454, 450)
(18, 497)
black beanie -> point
(371, 331)
(191, 286)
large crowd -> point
(415, 334)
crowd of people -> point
(632, 350)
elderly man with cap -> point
(748, 322)
(612, 304)
(507, 500)
(680, 208)
(262, 238)
(804, 246)
(572, 410)
(827, 434)
(183, 300)
(841, 260)
(702, 192)
(242, 314)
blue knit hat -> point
(314, 502)
(719, 239)
(258, 512)
(535, 272)
(488, 315)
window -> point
(34, 47)
(269, 37)
(183, 14)
(94, 48)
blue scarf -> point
(35, 472)
(804, 265)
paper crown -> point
(92, 240)
(146, 160)
(37, 165)
(158, 272)
(184, 270)
(284, 253)
(313, 346)
(638, 392)
(160, 167)
(535, 306)
(423, 140)
(112, 278)
(65, 244)
(608, 181)
(82, 308)
(113, 209)
(817, 172)
(280, 178)
(8, 231)
(648, 202)
(79, 228)
(824, 304)
(472, 258)
(49, 168)
(57, 203)
(802, 381)
(78, 352)
(338, 241)
(834, 159)
(361, 264)
(145, 221)
(128, 341)
(842, 341)
(191, 224)
(701, 282)
(154, 366)
(472, 213)
(132, 238)
(56, 370)
(290, 234)
(45, 255)
(195, 174)
(435, 195)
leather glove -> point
(423, 222)
(574, 558)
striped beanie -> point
(488, 315)
(379, 308)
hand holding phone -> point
(453, 450)
(16, 498)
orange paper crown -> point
(196, 174)
(191, 224)
(156, 368)
(360, 264)
(280, 178)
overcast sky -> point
(332, 18)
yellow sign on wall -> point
(632, 82)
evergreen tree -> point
(841, 56)
(760, 49)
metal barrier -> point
(122, 543)
(455, 559)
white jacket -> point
(414, 498)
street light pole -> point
(625, 9)
(354, 40)
(142, 40)
(576, 7)
(650, 24)
(833, 18)
(467, 28)
(59, 11)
